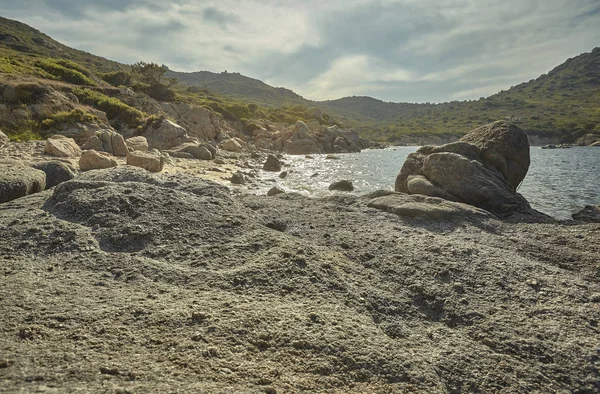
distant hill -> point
(239, 86)
(559, 106)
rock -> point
(56, 172)
(201, 152)
(274, 191)
(597, 143)
(200, 122)
(18, 180)
(232, 145)
(108, 141)
(301, 141)
(164, 134)
(332, 157)
(272, 164)
(138, 143)
(343, 185)
(93, 143)
(151, 161)
(61, 146)
(590, 213)
(4, 140)
(431, 208)
(238, 178)
(504, 147)
(283, 175)
(93, 160)
(483, 169)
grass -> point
(68, 117)
(60, 71)
(114, 108)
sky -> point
(400, 51)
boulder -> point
(138, 143)
(431, 208)
(272, 164)
(18, 180)
(164, 134)
(108, 141)
(232, 145)
(56, 172)
(274, 191)
(4, 140)
(301, 142)
(200, 122)
(502, 146)
(61, 146)
(283, 174)
(238, 178)
(590, 213)
(597, 143)
(151, 161)
(93, 143)
(483, 169)
(94, 160)
(201, 152)
(343, 185)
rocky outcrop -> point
(61, 146)
(151, 161)
(272, 164)
(483, 169)
(108, 141)
(56, 172)
(94, 160)
(4, 140)
(588, 139)
(137, 143)
(164, 134)
(18, 180)
(200, 122)
(275, 191)
(302, 142)
(596, 144)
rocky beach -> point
(126, 280)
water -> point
(559, 182)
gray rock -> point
(93, 143)
(151, 161)
(137, 143)
(165, 134)
(56, 172)
(18, 180)
(432, 208)
(274, 191)
(590, 213)
(272, 164)
(283, 174)
(93, 160)
(61, 146)
(238, 178)
(201, 152)
(343, 185)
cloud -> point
(395, 50)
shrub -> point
(114, 108)
(63, 73)
(117, 78)
(68, 117)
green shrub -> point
(63, 73)
(114, 108)
(117, 78)
(24, 131)
(73, 66)
(68, 117)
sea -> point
(559, 182)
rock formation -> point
(18, 180)
(483, 169)
(108, 141)
(61, 146)
(164, 134)
(151, 161)
(4, 140)
(93, 160)
(137, 143)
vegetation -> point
(68, 117)
(114, 108)
(66, 71)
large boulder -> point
(343, 185)
(151, 161)
(4, 140)
(504, 147)
(93, 160)
(137, 143)
(200, 122)
(56, 172)
(483, 169)
(18, 180)
(164, 134)
(61, 146)
(108, 141)
(197, 151)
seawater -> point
(559, 182)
